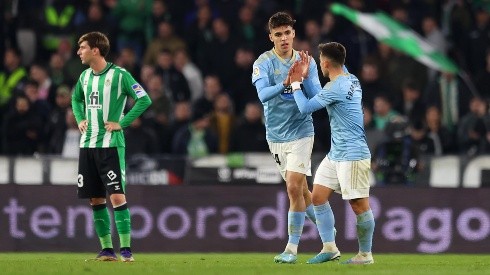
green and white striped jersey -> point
(102, 97)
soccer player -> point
(345, 169)
(289, 133)
(98, 102)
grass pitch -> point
(235, 264)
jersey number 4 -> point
(276, 158)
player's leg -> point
(354, 178)
(310, 212)
(90, 186)
(325, 184)
(113, 176)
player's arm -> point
(260, 79)
(78, 102)
(141, 98)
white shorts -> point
(293, 156)
(349, 178)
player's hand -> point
(82, 126)
(304, 60)
(112, 126)
(287, 81)
(295, 72)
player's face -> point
(324, 62)
(85, 53)
(282, 37)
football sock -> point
(310, 213)
(365, 230)
(123, 224)
(296, 221)
(326, 222)
(102, 223)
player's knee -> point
(118, 199)
(317, 199)
(97, 201)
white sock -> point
(329, 247)
(291, 248)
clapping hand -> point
(305, 63)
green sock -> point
(102, 224)
(123, 224)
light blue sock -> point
(325, 222)
(310, 213)
(365, 230)
(296, 220)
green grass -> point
(235, 264)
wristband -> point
(296, 85)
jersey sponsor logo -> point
(138, 90)
(287, 94)
(94, 100)
(256, 71)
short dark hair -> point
(96, 40)
(333, 51)
(280, 19)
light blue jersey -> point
(342, 99)
(283, 121)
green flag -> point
(397, 36)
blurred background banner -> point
(234, 219)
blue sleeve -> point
(312, 83)
(306, 106)
(267, 92)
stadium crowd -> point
(194, 58)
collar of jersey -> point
(107, 67)
(291, 61)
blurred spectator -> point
(140, 140)
(482, 80)
(147, 71)
(220, 53)
(181, 116)
(371, 83)
(243, 90)
(56, 127)
(396, 160)
(246, 28)
(98, 20)
(134, 24)
(383, 112)
(452, 97)
(12, 77)
(478, 41)
(434, 36)
(22, 129)
(249, 133)
(174, 81)
(128, 60)
(313, 37)
(441, 137)
(411, 104)
(38, 106)
(191, 73)
(159, 13)
(57, 72)
(199, 34)
(222, 120)
(195, 139)
(373, 136)
(157, 116)
(328, 30)
(212, 88)
(472, 130)
(71, 141)
(57, 24)
(46, 90)
(165, 40)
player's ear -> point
(270, 37)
